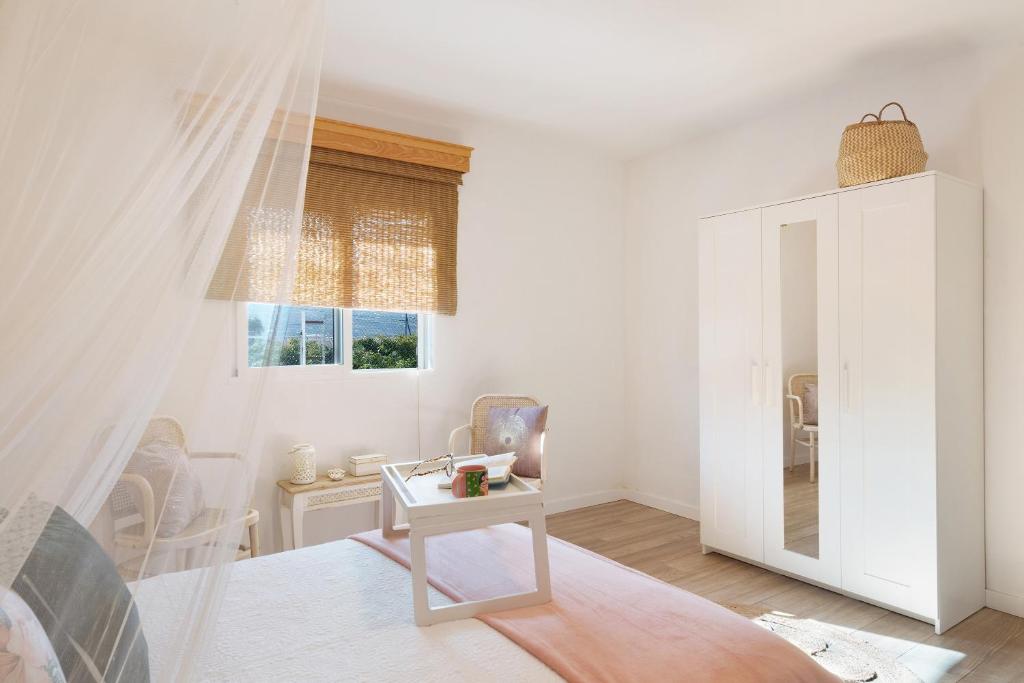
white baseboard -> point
(1005, 602)
(599, 497)
(552, 507)
(676, 507)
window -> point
(300, 335)
(384, 340)
(310, 335)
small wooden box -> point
(362, 465)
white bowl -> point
(336, 474)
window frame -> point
(330, 371)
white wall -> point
(545, 276)
(540, 295)
(969, 110)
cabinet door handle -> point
(755, 384)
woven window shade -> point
(376, 234)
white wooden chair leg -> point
(254, 540)
(792, 448)
(811, 456)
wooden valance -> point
(349, 137)
(384, 144)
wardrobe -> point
(862, 305)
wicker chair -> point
(798, 426)
(203, 530)
(477, 427)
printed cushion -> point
(176, 488)
(25, 651)
(518, 430)
(810, 404)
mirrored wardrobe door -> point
(800, 345)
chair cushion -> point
(25, 650)
(176, 488)
(520, 431)
(74, 590)
(810, 398)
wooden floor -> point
(987, 647)
(800, 506)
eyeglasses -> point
(447, 468)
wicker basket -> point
(876, 150)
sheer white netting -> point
(132, 134)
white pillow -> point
(176, 488)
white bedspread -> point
(334, 612)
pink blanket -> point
(605, 622)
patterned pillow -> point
(25, 652)
(810, 404)
(518, 430)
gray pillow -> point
(74, 590)
(176, 488)
(518, 430)
(810, 404)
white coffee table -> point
(431, 511)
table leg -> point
(541, 567)
(287, 542)
(298, 508)
(418, 565)
(426, 615)
(387, 511)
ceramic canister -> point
(303, 463)
(470, 481)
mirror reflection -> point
(798, 242)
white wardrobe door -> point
(887, 393)
(731, 384)
(784, 240)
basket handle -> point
(874, 116)
(880, 111)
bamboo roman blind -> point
(376, 234)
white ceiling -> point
(626, 75)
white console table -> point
(297, 499)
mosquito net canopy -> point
(134, 136)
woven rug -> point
(837, 651)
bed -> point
(337, 611)
(343, 611)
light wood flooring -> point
(800, 506)
(985, 648)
